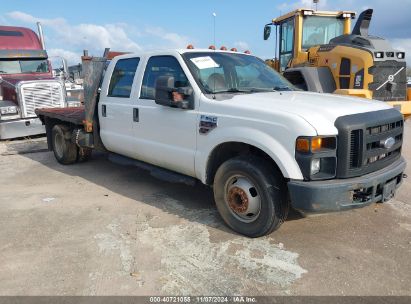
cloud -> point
(71, 57)
(26, 18)
(292, 5)
(403, 45)
(63, 38)
(241, 45)
(75, 38)
(174, 40)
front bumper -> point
(343, 194)
(20, 128)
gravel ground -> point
(100, 228)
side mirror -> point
(166, 94)
(267, 31)
(60, 68)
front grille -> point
(41, 94)
(389, 80)
(368, 142)
(374, 139)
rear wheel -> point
(64, 150)
(250, 196)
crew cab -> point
(231, 122)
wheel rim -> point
(242, 198)
(58, 144)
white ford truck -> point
(231, 122)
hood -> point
(319, 110)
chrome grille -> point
(41, 94)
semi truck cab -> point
(26, 83)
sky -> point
(124, 25)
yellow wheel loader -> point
(317, 51)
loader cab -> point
(299, 30)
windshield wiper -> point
(278, 88)
(233, 90)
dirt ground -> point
(99, 228)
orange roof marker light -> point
(211, 47)
(223, 48)
(190, 47)
(233, 50)
(247, 52)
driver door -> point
(164, 136)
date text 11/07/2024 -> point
(203, 299)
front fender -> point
(283, 158)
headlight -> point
(379, 54)
(8, 110)
(400, 55)
(317, 156)
(315, 166)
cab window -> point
(320, 30)
(122, 78)
(161, 66)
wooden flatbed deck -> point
(75, 115)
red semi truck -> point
(26, 82)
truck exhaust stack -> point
(41, 36)
(363, 23)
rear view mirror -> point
(60, 68)
(267, 31)
(166, 94)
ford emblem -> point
(388, 143)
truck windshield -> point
(24, 66)
(218, 72)
(320, 30)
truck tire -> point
(84, 154)
(251, 196)
(64, 150)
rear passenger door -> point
(165, 136)
(115, 108)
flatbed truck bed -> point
(75, 116)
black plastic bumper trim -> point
(337, 194)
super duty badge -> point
(207, 123)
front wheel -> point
(250, 196)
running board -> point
(157, 172)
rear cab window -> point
(122, 78)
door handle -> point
(104, 111)
(136, 116)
